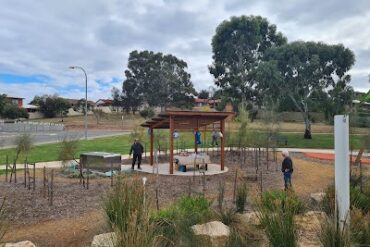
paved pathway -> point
(58, 164)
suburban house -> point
(73, 103)
(33, 111)
(106, 105)
(212, 103)
(15, 101)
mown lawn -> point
(121, 144)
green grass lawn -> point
(121, 144)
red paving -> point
(323, 156)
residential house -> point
(15, 101)
(106, 105)
(212, 103)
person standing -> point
(137, 149)
(214, 138)
(287, 169)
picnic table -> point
(192, 159)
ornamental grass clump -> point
(127, 212)
(277, 218)
(173, 224)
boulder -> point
(317, 197)
(104, 240)
(215, 233)
(20, 244)
(249, 218)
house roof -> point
(106, 102)
(186, 120)
(11, 97)
(74, 101)
(210, 101)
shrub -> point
(13, 112)
(128, 213)
(172, 225)
(241, 197)
(274, 200)
(278, 223)
(68, 150)
(333, 235)
(236, 239)
(360, 199)
(227, 216)
(23, 145)
(147, 113)
(360, 227)
(328, 202)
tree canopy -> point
(157, 80)
(300, 70)
(238, 47)
(203, 94)
(51, 105)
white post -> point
(342, 167)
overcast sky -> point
(40, 39)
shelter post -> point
(171, 143)
(222, 144)
(151, 146)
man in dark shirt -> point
(287, 169)
(137, 149)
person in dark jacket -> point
(137, 149)
(287, 169)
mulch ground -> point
(76, 214)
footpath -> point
(322, 154)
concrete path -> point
(58, 164)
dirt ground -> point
(77, 215)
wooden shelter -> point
(187, 121)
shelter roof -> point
(186, 120)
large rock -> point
(215, 233)
(249, 218)
(104, 240)
(20, 244)
(317, 197)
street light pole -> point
(78, 67)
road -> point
(7, 138)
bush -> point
(360, 199)
(274, 200)
(241, 197)
(68, 150)
(333, 235)
(128, 213)
(360, 228)
(278, 221)
(13, 112)
(147, 113)
(172, 225)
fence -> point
(30, 127)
